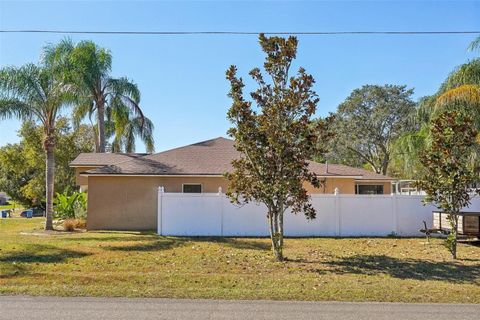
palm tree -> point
(33, 92)
(462, 87)
(87, 66)
(125, 127)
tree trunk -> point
(454, 234)
(50, 178)
(276, 235)
(101, 126)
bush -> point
(72, 224)
(71, 206)
(69, 225)
(80, 224)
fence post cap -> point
(161, 189)
(220, 191)
(336, 191)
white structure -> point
(212, 214)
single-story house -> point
(122, 188)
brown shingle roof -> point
(102, 159)
(211, 157)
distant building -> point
(3, 198)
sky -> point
(182, 77)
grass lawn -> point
(144, 265)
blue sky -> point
(182, 78)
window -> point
(369, 189)
(192, 188)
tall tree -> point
(33, 92)
(448, 172)
(124, 129)
(407, 149)
(460, 92)
(462, 87)
(22, 173)
(367, 123)
(88, 67)
(275, 137)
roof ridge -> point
(189, 145)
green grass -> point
(136, 264)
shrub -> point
(71, 206)
(80, 224)
(72, 224)
(69, 225)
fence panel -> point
(325, 224)
(190, 215)
(366, 215)
(247, 220)
(337, 215)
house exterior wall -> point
(387, 186)
(82, 180)
(344, 185)
(130, 202)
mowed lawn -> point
(144, 265)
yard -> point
(144, 265)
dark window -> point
(192, 188)
(369, 189)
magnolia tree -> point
(275, 136)
(448, 169)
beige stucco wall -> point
(345, 186)
(82, 180)
(130, 203)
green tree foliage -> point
(22, 174)
(275, 136)
(460, 92)
(368, 122)
(71, 205)
(448, 173)
(34, 92)
(115, 102)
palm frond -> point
(467, 94)
(467, 73)
(14, 108)
(475, 44)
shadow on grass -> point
(41, 254)
(155, 245)
(166, 243)
(11, 270)
(406, 268)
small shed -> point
(468, 223)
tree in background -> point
(22, 173)
(462, 87)
(460, 92)
(275, 139)
(33, 92)
(124, 129)
(88, 68)
(368, 122)
(408, 148)
(448, 173)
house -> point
(122, 188)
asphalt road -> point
(33, 308)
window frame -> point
(192, 184)
(358, 185)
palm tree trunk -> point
(101, 126)
(50, 178)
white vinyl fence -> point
(211, 214)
